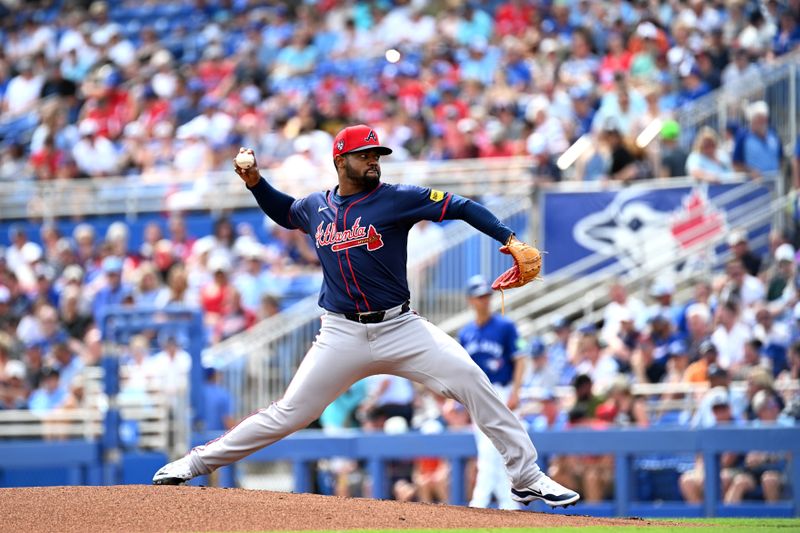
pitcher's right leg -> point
(338, 358)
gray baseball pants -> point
(344, 352)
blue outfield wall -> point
(306, 447)
(24, 463)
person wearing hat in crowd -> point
(738, 243)
(540, 375)
(218, 411)
(762, 470)
(13, 388)
(775, 337)
(541, 410)
(697, 372)
(557, 350)
(672, 156)
(692, 481)
(718, 378)
(493, 343)
(758, 150)
(782, 272)
(114, 292)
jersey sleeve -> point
(298, 214)
(416, 203)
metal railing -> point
(580, 289)
(223, 190)
(776, 83)
(147, 411)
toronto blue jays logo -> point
(371, 136)
(349, 238)
(340, 145)
(635, 231)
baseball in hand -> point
(245, 159)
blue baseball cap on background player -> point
(356, 139)
(478, 286)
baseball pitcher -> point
(361, 229)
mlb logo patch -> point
(436, 196)
(340, 145)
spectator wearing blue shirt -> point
(557, 355)
(758, 149)
(788, 36)
(692, 84)
(114, 292)
(217, 412)
(49, 395)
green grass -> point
(708, 525)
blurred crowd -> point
(171, 89)
(726, 353)
(53, 297)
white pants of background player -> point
(492, 478)
(344, 352)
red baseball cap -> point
(356, 139)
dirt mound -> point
(148, 509)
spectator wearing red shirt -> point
(51, 163)
(617, 60)
(514, 17)
(234, 318)
(214, 294)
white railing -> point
(258, 364)
(223, 190)
(147, 409)
(274, 350)
(581, 287)
(776, 83)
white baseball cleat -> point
(177, 472)
(548, 491)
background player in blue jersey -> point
(361, 230)
(493, 343)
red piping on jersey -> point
(444, 207)
(339, 256)
(347, 252)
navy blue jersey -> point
(362, 239)
(362, 242)
(493, 347)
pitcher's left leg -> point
(422, 352)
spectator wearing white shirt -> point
(619, 308)
(94, 155)
(730, 335)
(740, 286)
(22, 92)
(591, 359)
(170, 368)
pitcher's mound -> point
(149, 509)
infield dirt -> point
(149, 509)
